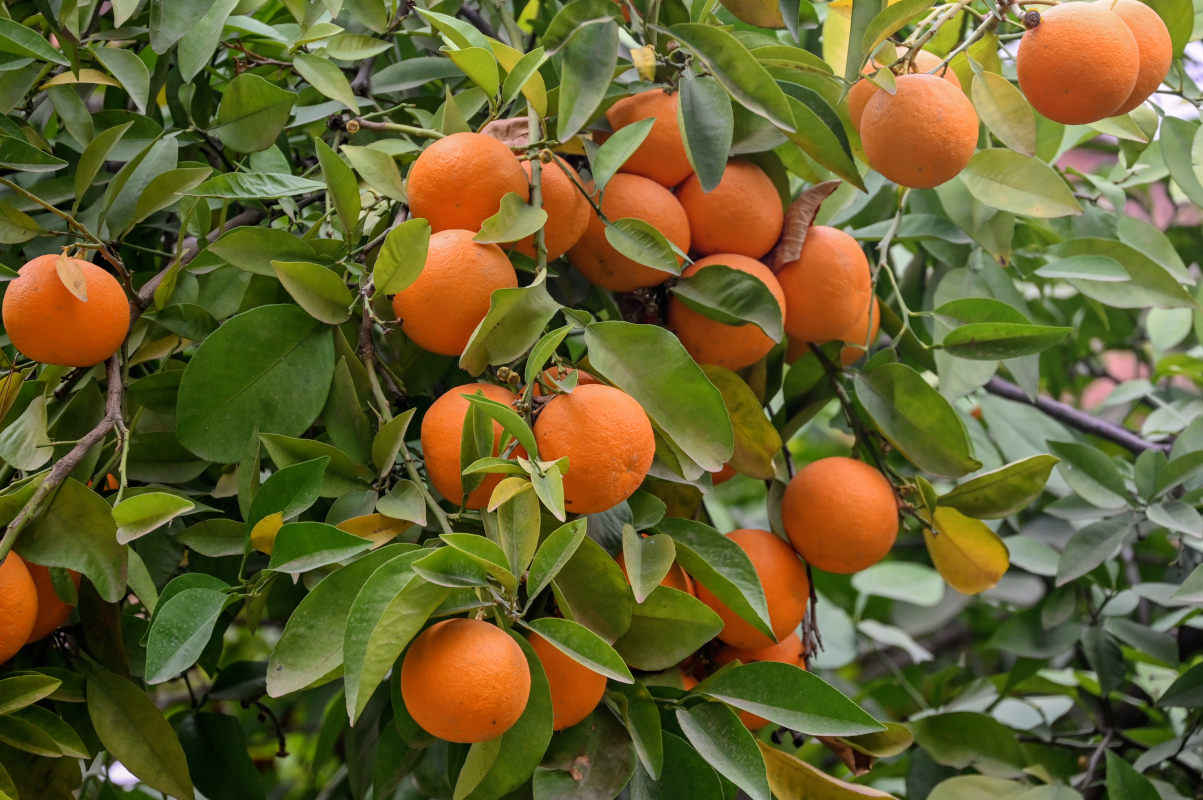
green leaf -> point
(449, 567)
(195, 50)
(180, 630)
(268, 370)
(1091, 473)
(681, 402)
(615, 151)
(302, 546)
(1020, 184)
(513, 221)
(133, 730)
(316, 289)
(252, 112)
(25, 444)
(20, 40)
(599, 742)
(487, 553)
(1005, 111)
(20, 155)
(94, 156)
(1151, 283)
(646, 560)
(288, 491)
(992, 341)
(1186, 691)
(343, 474)
(378, 170)
(543, 350)
(589, 58)
(643, 243)
(255, 186)
(757, 442)
(515, 526)
(402, 256)
(554, 552)
(820, 134)
(961, 739)
(916, 419)
(726, 745)
(1125, 783)
(732, 297)
(889, 21)
(388, 441)
(253, 249)
(790, 696)
(327, 78)
(508, 418)
(139, 515)
(707, 124)
(19, 691)
(583, 646)
(515, 320)
(171, 19)
(341, 187)
(166, 189)
(684, 772)
(591, 589)
(219, 758)
(665, 628)
(1004, 491)
(737, 70)
(127, 68)
(1179, 17)
(909, 582)
(479, 64)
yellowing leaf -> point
(263, 535)
(508, 488)
(793, 777)
(967, 553)
(85, 76)
(72, 277)
(376, 527)
(644, 59)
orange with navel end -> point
(465, 680)
(1154, 44)
(53, 613)
(442, 431)
(789, 650)
(677, 578)
(742, 214)
(18, 605)
(661, 156)
(442, 308)
(567, 209)
(840, 514)
(863, 90)
(1079, 64)
(49, 324)
(575, 689)
(921, 136)
(826, 288)
(458, 181)
(712, 342)
(786, 590)
(629, 196)
(607, 439)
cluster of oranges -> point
(29, 607)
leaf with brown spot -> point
(798, 218)
(514, 132)
(72, 277)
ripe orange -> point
(862, 333)
(442, 308)
(921, 136)
(827, 288)
(608, 440)
(442, 430)
(18, 606)
(863, 90)
(464, 680)
(629, 196)
(723, 475)
(575, 689)
(567, 210)
(786, 590)
(49, 324)
(1079, 65)
(458, 181)
(1152, 42)
(677, 578)
(840, 514)
(712, 342)
(789, 650)
(53, 613)
(661, 156)
(743, 214)
(687, 680)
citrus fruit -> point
(458, 181)
(712, 342)
(786, 590)
(1079, 64)
(464, 680)
(49, 324)
(677, 578)
(18, 605)
(629, 196)
(442, 308)
(53, 613)
(442, 430)
(607, 439)
(723, 475)
(789, 650)
(922, 135)
(860, 335)
(1152, 42)
(861, 91)
(826, 288)
(687, 680)
(661, 156)
(560, 374)
(567, 209)
(742, 214)
(575, 689)
(840, 514)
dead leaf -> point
(515, 132)
(860, 763)
(72, 277)
(969, 556)
(644, 59)
(798, 218)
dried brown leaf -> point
(798, 219)
(72, 277)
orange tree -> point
(574, 399)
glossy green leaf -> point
(1005, 111)
(1004, 491)
(139, 515)
(643, 244)
(553, 553)
(255, 186)
(665, 628)
(707, 125)
(590, 56)
(583, 646)
(252, 113)
(1020, 184)
(180, 630)
(302, 546)
(992, 341)
(726, 745)
(402, 256)
(327, 78)
(732, 297)
(378, 170)
(615, 151)
(341, 186)
(316, 289)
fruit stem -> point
(534, 133)
(951, 11)
(395, 127)
(988, 24)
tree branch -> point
(247, 217)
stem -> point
(79, 227)
(989, 24)
(394, 127)
(534, 133)
(431, 503)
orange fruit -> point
(53, 613)
(608, 440)
(1153, 43)
(458, 181)
(465, 680)
(442, 308)
(442, 431)
(786, 590)
(50, 325)
(921, 136)
(863, 90)
(677, 578)
(18, 605)
(567, 210)
(840, 514)
(742, 214)
(687, 680)
(789, 650)
(575, 689)
(712, 342)
(629, 196)
(827, 288)
(561, 374)
(661, 156)
(723, 475)
(1079, 65)
(862, 332)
